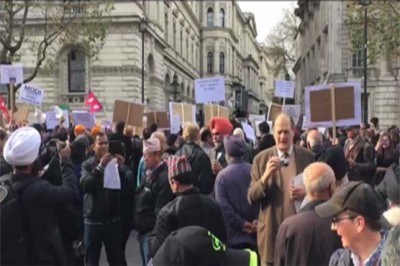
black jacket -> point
(201, 166)
(100, 205)
(127, 142)
(5, 168)
(40, 200)
(151, 196)
(188, 208)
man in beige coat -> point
(272, 184)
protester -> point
(120, 136)
(152, 195)
(385, 156)
(5, 168)
(172, 144)
(361, 156)
(101, 206)
(356, 210)
(206, 140)
(198, 159)
(190, 207)
(231, 187)
(79, 130)
(271, 184)
(195, 245)
(39, 199)
(305, 238)
(248, 156)
(266, 140)
(220, 127)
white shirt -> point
(282, 155)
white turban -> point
(22, 147)
(151, 145)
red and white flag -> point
(3, 108)
(93, 103)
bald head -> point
(318, 180)
(314, 137)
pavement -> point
(132, 252)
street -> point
(132, 252)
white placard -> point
(298, 181)
(111, 176)
(175, 124)
(304, 126)
(106, 123)
(84, 118)
(293, 111)
(284, 88)
(31, 94)
(356, 120)
(52, 121)
(209, 90)
(12, 73)
(249, 131)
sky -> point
(267, 14)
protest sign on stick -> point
(128, 112)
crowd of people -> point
(204, 196)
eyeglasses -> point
(336, 220)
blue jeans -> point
(109, 234)
(144, 248)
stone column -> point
(216, 57)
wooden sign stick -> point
(333, 110)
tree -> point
(281, 44)
(40, 26)
(383, 27)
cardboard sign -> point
(186, 112)
(128, 112)
(284, 88)
(31, 94)
(21, 115)
(274, 111)
(214, 110)
(293, 111)
(158, 118)
(209, 90)
(11, 74)
(347, 106)
(84, 118)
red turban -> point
(221, 125)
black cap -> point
(355, 196)
(347, 128)
(195, 245)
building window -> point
(210, 62)
(181, 44)
(166, 24)
(76, 71)
(221, 63)
(357, 63)
(222, 17)
(174, 37)
(210, 17)
(187, 48)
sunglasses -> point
(336, 220)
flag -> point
(93, 103)
(3, 107)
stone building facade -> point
(184, 40)
(324, 55)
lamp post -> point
(143, 29)
(175, 88)
(365, 4)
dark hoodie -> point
(201, 166)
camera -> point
(283, 162)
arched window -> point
(210, 62)
(210, 17)
(221, 63)
(76, 71)
(222, 17)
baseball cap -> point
(195, 245)
(355, 196)
(347, 128)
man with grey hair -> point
(307, 239)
